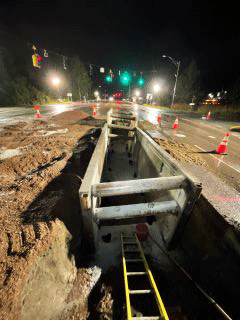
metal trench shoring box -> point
(170, 192)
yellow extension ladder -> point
(133, 258)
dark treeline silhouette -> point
(22, 84)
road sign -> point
(69, 94)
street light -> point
(56, 82)
(156, 88)
(96, 93)
(137, 93)
(177, 64)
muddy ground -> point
(32, 157)
(40, 149)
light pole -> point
(177, 64)
(156, 89)
(55, 82)
(79, 92)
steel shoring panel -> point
(138, 186)
(119, 116)
(136, 210)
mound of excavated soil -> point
(42, 149)
(182, 152)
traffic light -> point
(108, 78)
(45, 53)
(141, 82)
(36, 60)
(125, 78)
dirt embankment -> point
(31, 155)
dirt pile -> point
(182, 152)
(44, 149)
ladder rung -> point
(135, 273)
(140, 291)
(134, 260)
(147, 318)
(130, 250)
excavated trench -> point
(208, 250)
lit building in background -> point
(215, 99)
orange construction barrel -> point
(142, 231)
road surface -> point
(205, 135)
(13, 114)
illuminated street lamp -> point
(137, 93)
(96, 94)
(177, 64)
(56, 82)
(156, 88)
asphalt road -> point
(205, 135)
(13, 114)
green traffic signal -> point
(125, 78)
(108, 78)
(141, 82)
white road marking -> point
(236, 135)
(179, 135)
(211, 137)
(218, 159)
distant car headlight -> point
(110, 98)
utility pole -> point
(177, 64)
(175, 86)
(79, 90)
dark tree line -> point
(23, 84)
(188, 86)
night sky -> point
(135, 34)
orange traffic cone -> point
(175, 124)
(209, 115)
(222, 147)
(37, 107)
(38, 114)
(159, 119)
(94, 112)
